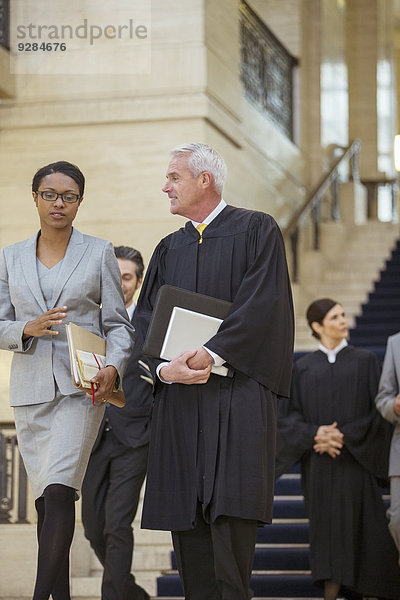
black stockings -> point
(55, 529)
(331, 590)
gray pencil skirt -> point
(55, 440)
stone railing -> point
(13, 479)
(327, 189)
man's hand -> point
(179, 371)
(328, 439)
(42, 324)
(201, 360)
(396, 405)
(104, 382)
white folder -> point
(189, 330)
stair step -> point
(282, 559)
(285, 585)
(373, 326)
(389, 284)
(266, 558)
(375, 313)
(266, 584)
(288, 532)
(393, 263)
(379, 350)
(285, 486)
(377, 302)
(371, 338)
(293, 508)
(385, 294)
(392, 268)
(378, 341)
(378, 319)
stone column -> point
(311, 28)
(370, 44)
(362, 61)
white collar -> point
(219, 208)
(130, 310)
(332, 353)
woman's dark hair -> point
(128, 253)
(61, 166)
(317, 311)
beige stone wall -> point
(284, 19)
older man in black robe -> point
(212, 450)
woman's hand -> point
(42, 324)
(104, 383)
(328, 439)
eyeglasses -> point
(67, 197)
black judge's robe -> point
(216, 441)
(350, 541)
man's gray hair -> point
(203, 158)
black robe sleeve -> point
(148, 292)
(257, 336)
(295, 435)
(368, 437)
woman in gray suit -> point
(58, 275)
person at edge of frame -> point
(388, 403)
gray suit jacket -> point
(89, 279)
(388, 390)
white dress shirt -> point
(130, 310)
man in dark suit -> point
(117, 466)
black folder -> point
(167, 299)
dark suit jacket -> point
(131, 424)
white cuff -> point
(160, 366)
(218, 361)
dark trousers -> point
(110, 497)
(215, 560)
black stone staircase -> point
(281, 564)
(380, 315)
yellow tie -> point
(200, 228)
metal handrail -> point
(12, 478)
(314, 199)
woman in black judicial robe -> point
(331, 425)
